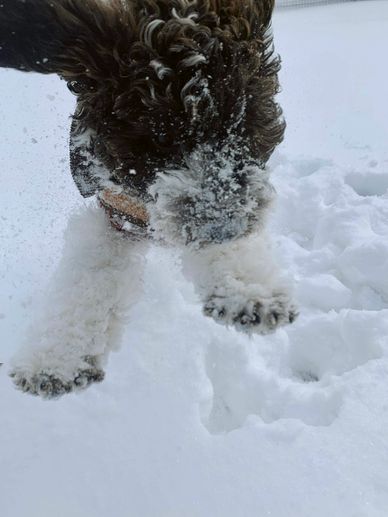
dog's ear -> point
(57, 36)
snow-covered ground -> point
(194, 419)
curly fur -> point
(154, 79)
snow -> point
(195, 419)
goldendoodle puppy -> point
(174, 123)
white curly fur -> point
(98, 279)
(239, 284)
(215, 215)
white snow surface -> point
(195, 419)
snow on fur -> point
(209, 202)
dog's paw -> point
(261, 316)
(50, 385)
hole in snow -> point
(368, 183)
(307, 376)
(242, 386)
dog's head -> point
(154, 79)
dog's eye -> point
(78, 87)
(75, 87)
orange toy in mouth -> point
(125, 212)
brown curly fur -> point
(135, 111)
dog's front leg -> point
(239, 284)
(218, 216)
(98, 279)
